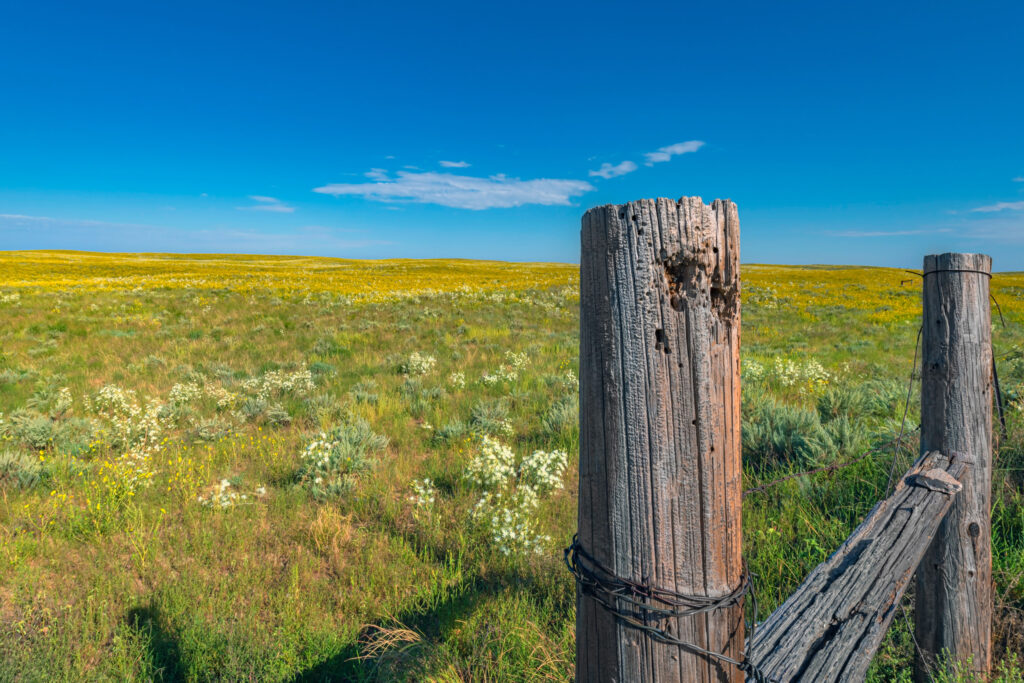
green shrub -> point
(252, 408)
(211, 429)
(562, 418)
(327, 346)
(886, 397)
(452, 432)
(420, 398)
(780, 434)
(411, 387)
(847, 436)
(332, 461)
(222, 372)
(365, 392)
(490, 417)
(321, 369)
(10, 376)
(19, 470)
(73, 435)
(30, 428)
(277, 415)
(843, 401)
(323, 407)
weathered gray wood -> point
(830, 628)
(953, 599)
(660, 480)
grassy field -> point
(280, 468)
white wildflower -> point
(752, 370)
(277, 382)
(808, 375)
(517, 361)
(510, 521)
(418, 364)
(63, 402)
(492, 465)
(183, 394)
(543, 471)
(423, 493)
(136, 429)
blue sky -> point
(868, 133)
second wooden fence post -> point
(953, 600)
(660, 476)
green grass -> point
(106, 578)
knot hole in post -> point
(680, 275)
(661, 341)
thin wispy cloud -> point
(463, 192)
(1003, 228)
(20, 217)
(608, 170)
(17, 220)
(1019, 179)
(1000, 206)
(666, 153)
(887, 233)
(40, 232)
(264, 203)
(455, 164)
(327, 229)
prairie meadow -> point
(254, 468)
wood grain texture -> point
(830, 628)
(953, 608)
(660, 478)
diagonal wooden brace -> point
(830, 628)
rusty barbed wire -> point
(637, 605)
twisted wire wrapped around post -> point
(637, 604)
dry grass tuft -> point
(332, 533)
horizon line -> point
(440, 258)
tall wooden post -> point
(953, 609)
(660, 479)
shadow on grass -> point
(164, 652)
(431, 622)
(412, 660)
(344, 666)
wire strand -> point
(906, 409)
(955, 270)
(634, 604)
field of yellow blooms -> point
(276, 468)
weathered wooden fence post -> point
(660, 479)
(953, 609)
